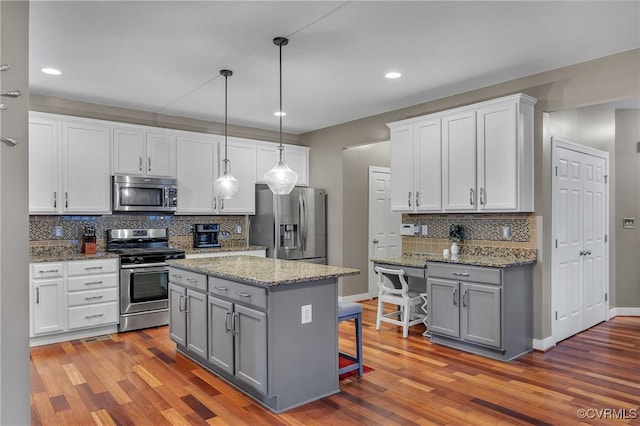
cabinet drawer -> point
(92, 315)
(92, 282)
(476, 274)
(188, 279)
(79, 298)
(46, 270)
(87, 267)
(242, 293)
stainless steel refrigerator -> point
(292, 226)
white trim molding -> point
(544, 344)
(624, 312)
(354, 298)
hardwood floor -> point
(138, 378)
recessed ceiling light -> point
(393, 74)
(51, 71)
(279, 113)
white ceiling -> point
(165, 56)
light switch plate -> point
(506, 232)
(425, 230)
(306, 314)
(406, 229)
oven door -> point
(144, 289)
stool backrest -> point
(391, 281)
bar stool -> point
(348, 311)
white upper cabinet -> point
(197, 168)
(142, 151)
(296, 157)
(459, 161)
(415, 167)
(486, 159)
(242, 165)
(69, 165)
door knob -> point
(375, 241)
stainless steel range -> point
(144, 275)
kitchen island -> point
(267, 326)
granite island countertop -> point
(193, 250)
(261, 271)
(419, 260)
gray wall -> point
(599, 81)
(14, 219)
(355, 165)
(627, 176)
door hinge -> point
(606, 238)
(556, 315)
(556, 243)
(606, 297)
(606, 178)
(556, 170)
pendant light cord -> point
(281, 113)
(226, 74)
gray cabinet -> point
(188, 315)
(238, 333)
(483, 310)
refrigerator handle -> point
(302, 221)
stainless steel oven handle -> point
(143, 266)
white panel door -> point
(428, 166)
(497, 157)
(459, 161)
(402, 162)
(86, 168)
(594, 246)
(384, 225)
(580, 265)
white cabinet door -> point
(402, 163)
(427, 166)
(296, 157)
(197, 159)
(47, 306)
(44, 178)
(86, 168)
(161, 154)
(459, 161)
(497, 157)
(242, 163)
(129, 151)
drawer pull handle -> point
(192, 280)
(89, 268)
(93, 283)
(177, 276)
(221, 288)
(461, 274)
(93, 316)
(93, 297)
(241, 294)
(48, 271)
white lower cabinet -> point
(72, 296)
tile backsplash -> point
(42, 239)
(482, 233)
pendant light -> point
(226, 186)
(281, 179)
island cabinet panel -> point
(220, 334)
(188, 318)
(488, 311)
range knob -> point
(139, 259)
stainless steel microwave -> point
(144, 194)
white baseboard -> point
(626, 312)
(72, 335)
(543, 344)
(355, 297)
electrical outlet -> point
(506, 232)
(58, 231)
(425, 230)
(238, 229)
(306, 314)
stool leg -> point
(378, 314)
(358, 324)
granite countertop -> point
(193, 250)
(419, 260)
(265, 272)
(63, 257)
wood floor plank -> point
(138, 378)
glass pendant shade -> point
(281, 179)
(226, 186)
